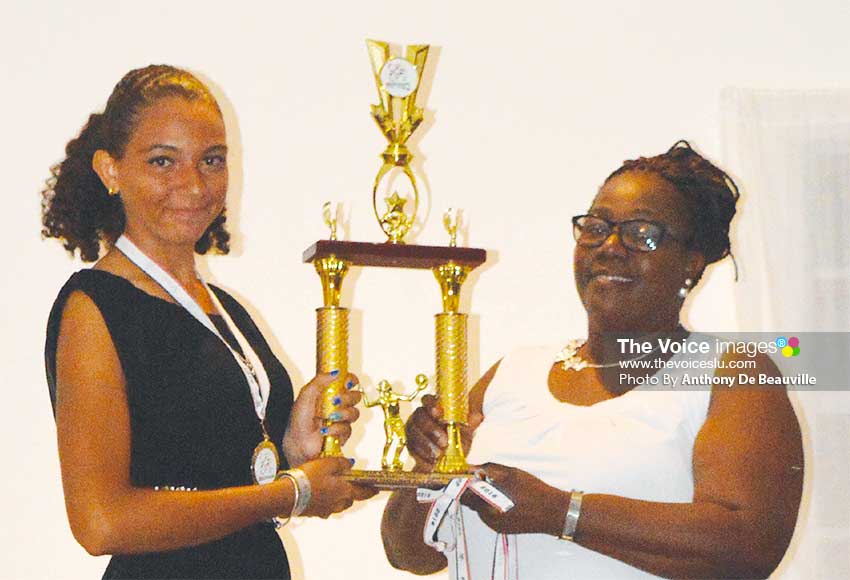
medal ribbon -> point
(252, 367)
(445, 503)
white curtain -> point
(790, 154)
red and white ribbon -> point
(445, 504)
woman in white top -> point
(691, 482)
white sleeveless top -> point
(638, 445)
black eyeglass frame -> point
(663, 233)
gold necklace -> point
(571, 360)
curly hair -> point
(76, 207)
(709, 194)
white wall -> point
(529, 109)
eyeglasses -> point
(639, 235)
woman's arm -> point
(107, 514)
(748, 477)
(404, 517)
(748, 474)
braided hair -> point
(76, 207)
(709, 194)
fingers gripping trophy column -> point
(331, 340)
(451, 365)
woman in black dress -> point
(170, 406)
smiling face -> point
(631, 291)
(173, 174)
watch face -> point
(399, 77)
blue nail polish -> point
(351, 461)
(337, 401)
(349, 385)
(334, 372)
(323, 430)
(334, 416)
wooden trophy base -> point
(388, 255)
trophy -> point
(397, 116)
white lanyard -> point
(446, 505)
(252, 367)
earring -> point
(112, 192)
(686, 288)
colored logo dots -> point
(788, 346)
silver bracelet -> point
(279, 522)
(571, 519)
(303, 492)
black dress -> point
(192, 419)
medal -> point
(264, 462)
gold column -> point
(451, 365)
(331, 340)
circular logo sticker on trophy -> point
(399, 77)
